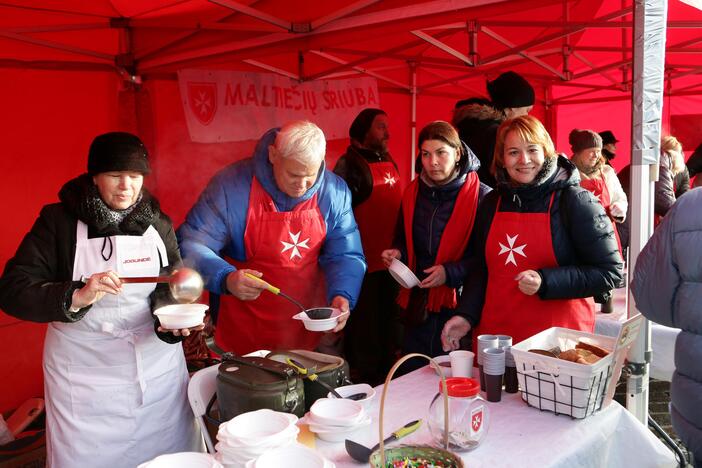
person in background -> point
(477, 119)
(667, 288)
(438, 209)
(694, 165)
(372, 334)
(609, 146)
(542, 244)
(115, 382)
(600, 179)
(282, 217)
(681, 176)
(669, 166)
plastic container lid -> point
(461, 387)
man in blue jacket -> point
(667, 288)
(279, 216)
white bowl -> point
(260, 427)
(403, 274)
(445, 362)
(292, 456)
(338, 433)
(348, 390)
(177, 316)
(336, 412)
(230, 455)
(183, 460)
(320, 324)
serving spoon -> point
(185, 284)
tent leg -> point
(413, 114)
(649, 35)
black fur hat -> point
(117, 151)
(510, 90)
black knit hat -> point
(583, 139)
(510, 90)
(362, 123)
(608, 137)
(117, 151)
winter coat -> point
(353, 167)
(477, 126)
(37, 284)
(432, 211)
(681, 182)
(667, 288)
(664, 196)
(589, 263)
(616, 192)
(216, 224)
(694, 163)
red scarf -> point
(453, 241)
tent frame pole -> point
(649, 36)
(413, 114)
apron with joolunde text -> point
(116, 395)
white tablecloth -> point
(662, 337)
(518, 436)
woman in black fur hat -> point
(115, 382)
(477, 119)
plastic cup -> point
(461, 363)
(484, 341)
(494, 361)
(504, 340)
(511, 381)
(493, 390)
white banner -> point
(234, 106)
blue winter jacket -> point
(667, 288)
(215, 225)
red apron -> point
(377, 216)
(285, 247)
(516, 243)
(598, 187)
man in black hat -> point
(609, 145)
(372, 334)
(477, 119)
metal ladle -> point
(276, 291)
(185, 284)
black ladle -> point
(362, 453)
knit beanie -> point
(117, 151)
(583, 139)
(362, 123)
(510, 90)
(608, 137)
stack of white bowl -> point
(182, 460)
(251, 434)
(292, 456)
(335, 419)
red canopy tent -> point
(72, 69)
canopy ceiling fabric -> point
(578, 50)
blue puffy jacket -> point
(215, 226)
(667, 288)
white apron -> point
(116, 395)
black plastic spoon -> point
(362, 453)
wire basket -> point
(414, 455)
(559, 386)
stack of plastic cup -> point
(494, 369)
(485, 341)
(504, 340)
(511, 383)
